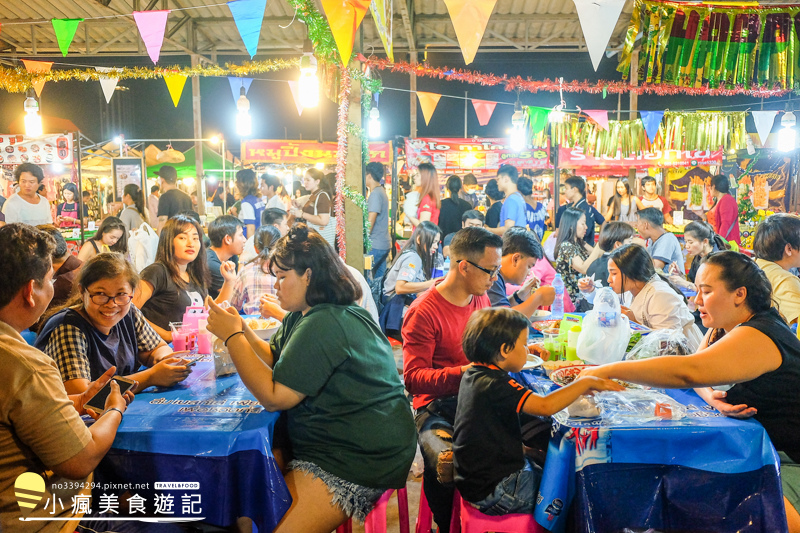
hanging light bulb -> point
(787, 137)
(308, 85)
(244, 124)
(556, 115)
(374, 123)
(751, 149)
(518, 137)
(33, 121)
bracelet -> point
(121, 414)
(231, 336)
(517, 298)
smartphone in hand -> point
(97, 403)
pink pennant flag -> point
(484, 110)
(294, 85)
(599, 116)
(151, 25)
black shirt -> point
(775, 394)
(214, 265)
(593, 217)
(450, 214)
(172, 202)
(600, 269)
(168, 302)
(493, 215)
(487, 439)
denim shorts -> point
(355, 500)
(514, 494)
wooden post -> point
(633, 108)
(353, 178)
(413, 87)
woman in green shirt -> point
(331, 369)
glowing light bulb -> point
(787, 137)
(244, 124)
(308, 84)
(33, 121)
(518, 137)
(374, 123)
(320, 166)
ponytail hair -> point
(135, 193)
(703, 231)
(635, 263)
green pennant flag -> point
(65, 32)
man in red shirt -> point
(434, 360)
(651, 198)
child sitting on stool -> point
(494, 474)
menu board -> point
(17, 149)
(126, 170)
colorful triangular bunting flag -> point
(764, 121)
(428, 102)
(344, 17)
(152, 25)
(175, 83)
(248, 15)
(599, 116)
(108, 85)
(651, 121)
(294, 85)
(65, 32)
(598, 19)
(484, 110)
(237, 84)
(469, 19)
(37, 67)
(382, 12)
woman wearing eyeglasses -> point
(99, 328)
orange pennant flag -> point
(37, 67)
(175, 83)
(469, 19)
(428, 102)
(344, 17)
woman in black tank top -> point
(748, 344)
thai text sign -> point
(451, 155)
(576, 158)
(304, 152)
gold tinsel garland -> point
(18, 80)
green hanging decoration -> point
(361, 202)
(537, 124)
(627, 137)
(696, 130)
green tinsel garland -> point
(361, 202)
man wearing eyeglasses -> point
(434, 360)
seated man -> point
(662, 245)
(40, 426)
(272, 216)
(521, 251)
(226, 234)
(65, 267)
(434, 360)
(470, 219)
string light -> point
(244, 124)
(308, 84)
(33, 121)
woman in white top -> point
(27, 206)
(134, 214)
(656, 303)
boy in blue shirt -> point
(493, 473)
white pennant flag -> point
(295, 87)
(764, 121)
(108, 85)
(598, 20)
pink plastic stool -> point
(474, 521)
(376, 519)
(425, 516)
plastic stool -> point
(425, 516)
(376, 519)
(474, 521)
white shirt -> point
(657, 306)
(18, 210)
(276, 202)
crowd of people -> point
(458, 297)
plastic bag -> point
(223, 364)
(634, 407)
(605, 331)
(143, 246)
(658, 343)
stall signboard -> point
(126, 170)
(453, 155)
(577, 159)
(304, 152)
(46, 150)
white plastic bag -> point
(659, 343)
(143, 246)
(605, 331)
(634, 407)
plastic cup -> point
(572, 354)
(204, 342)
(179, 337)
(552, 344)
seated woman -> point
(98, 328)
(111, 236)
(656, 303)
(411, 274)
(612, 236)
(254, 279)
(573, 255)
(749, 345)
(179, 277)
(777, 248)
(350, 424)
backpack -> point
(143, 243)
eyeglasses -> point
(491, 273)
(119, 299)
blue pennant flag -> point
(237, 84)
(651, 121)
(248, 15)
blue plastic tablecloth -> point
(706, 472)
(207, 430)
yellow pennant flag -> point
(344, 17)
(382, 12)
(469, 19)
(428, 102)
(175, 83)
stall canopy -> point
(212, 162)
(98, 162)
